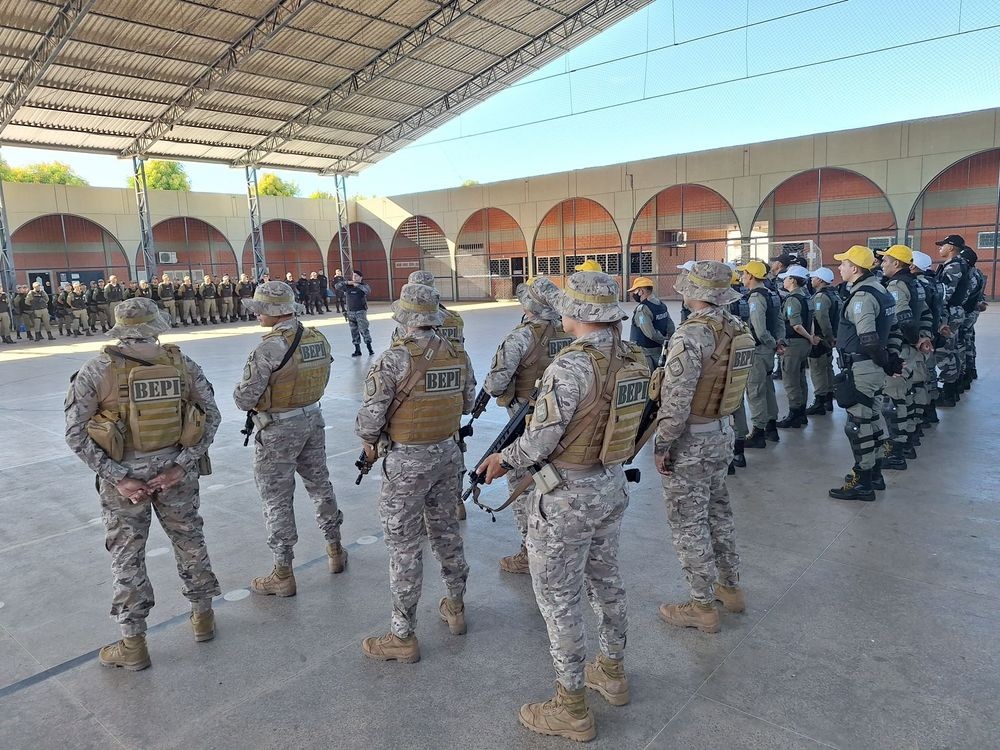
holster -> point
(846, 391)
(261, 420)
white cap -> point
(797, 271)
(823, 274)
(687, 266)
(922, 260)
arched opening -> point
(63, 248)
(964, 199)
(289, 249)
(573, 231)
(681, 223)
(491, 256)
(368, 256)
(835, 208)
(186, 246)
(419, 243)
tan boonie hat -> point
(590, 296)
(535, 296)
(274, 298)
(421, 277)
(138, 318)
(418, 306)
(708, 281)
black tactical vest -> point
(806, 312)
(661, 322)
(848, 341)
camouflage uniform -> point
(421, 482)
(127, 524)
(284, 447)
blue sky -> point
(679, 76)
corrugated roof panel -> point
(409, 12)
(320, 149)
(272, 88)
(223, 137)
(166, 42)
(64, 120)
(354, 137)
(127, 62)
(313, 47)
(330, 21)
(180, 16)
(10, 67)
(401, 91)
(228, 121)
(306, 71)
(348, 121)
(18, 43)
(29, 14)
(432, 75)
(499, 41)
(449, 54)
(381, 108)
(74, 101)
(267, 108)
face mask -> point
(636, 297)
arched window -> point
(62, 248)
(420, 243)
(491, 256)
(288, 247)
(570, 233)
(186, 246)
(681, 223)
(368, 255)
(964, 199)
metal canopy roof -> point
(329, 86)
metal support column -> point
(256, 227)
(7, 277)
(145, 223)
(343, 226)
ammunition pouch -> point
(105, 429)
(847, 393)
(204, 465)
(193, 426)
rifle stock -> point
(648, 419)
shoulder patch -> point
(546, 411)
(676, 367)
(859, 307)
(789, 309)
(753, 306)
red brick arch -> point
(288, 247)
(491, 256)
(571, 231)
(66, 244)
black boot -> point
(357, 351)
(739, 460)
(771, 431)
(8, 340)
(732, 469)
(51, 337)
(829, 402)
(818, 408)
(930, 414)
(38, 336)
(878, 481)
(755, 439)
(893, 458)
(796, 418)
(370, 350)
(973, 375)
(915, 440)
(857, 487)
(909, 452)
(947, 397)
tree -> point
(270, 184)
(323, 195)
(469, 183)
(48, 173)
(165, 175)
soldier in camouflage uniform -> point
(136, 484)
(282, 385)
(415, 395)
(519, 361)
(704, 379)
(573, 528)
(954, 274)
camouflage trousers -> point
(699, 512)
(740, 420)
(968, 334)
(520, 506)
(358, 321)
(297, 444)
(863, 430)
(573, 536)
(127, 527)
(930, 376)
(951, 356)
(793, 372)
(760, 388)
(419, 494)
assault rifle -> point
(482, 400)
(364, 466)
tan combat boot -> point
(337, 557)
(691, 614)
(460, 514)
(517, 563)
(390, 647)
(607, 677)
(731, 597)
(203, 625)
(129, 653)
(452, 611)
(565, 715)
(281, 582)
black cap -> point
(952, 239)
(785, 259)
(969, 254)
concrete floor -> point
(869, 625)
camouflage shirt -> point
(691, 347)
(88, 389)
(388, 372)
(507, 360)
(565, 383)
(260, 364)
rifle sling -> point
(417, 374)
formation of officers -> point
(79, 309)
(142, 416)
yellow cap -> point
(735, 280)
(589, 265)
(859, 255)
(640, 282)
(900, 252)
(755, 268)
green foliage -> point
(270, 184)
(323, 195)
(48, 173)
(165, 175)
(469, 183)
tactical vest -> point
(226, 290)
(114, 293)
(245, 290)
(848, 341)
(548, 339)
(165, 291)
(186, 291)
(603, 430)
(835, 303)
(356, 298)
(77, 301)
(805, 312)
(961, 293)
(99, 296)
(4, 304)
(150, 401)
(661, 322)
(917, 305)
(977, 284)
(723, 380)
(453, 328)
(36, 301)
(428, 405)
(303, 379)
(208, 291)
(929, 286)
(772, 308)
(147, 292)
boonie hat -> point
(421, 277)
(708, 281)
(138, 318)
(534, 295)
(823, 274)
(900, 252)
(859, 255)
(797, 272)
(755, 268)
(274, 298)
(952, 239)
(418, 306)
(590, 296)
(641, 282)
